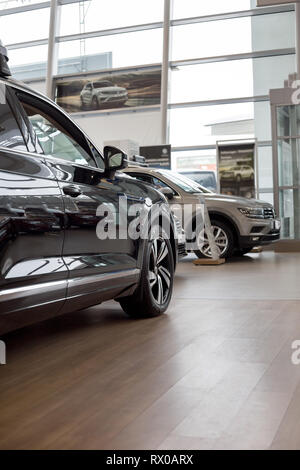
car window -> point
(159, 183)
(184, 183)
(54, 140)
(10, 134)
(204, 179)
(102, 84)
(144, 178)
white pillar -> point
(52, 46)
(165, 72)
(297, 14)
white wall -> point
(142, 127)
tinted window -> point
(54, 139)
(10, 135)
(102, 84)
(144, 178)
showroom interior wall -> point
(219, 83)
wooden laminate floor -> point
(213, 373)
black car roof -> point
(23, 86)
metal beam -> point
(233, 15)
(52, 61)
(110, 32)
(225, 58)
(165, 72)
(196, 104)
(297, 15)
(33, 6)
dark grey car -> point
(52, 180)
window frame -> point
(20, 125)
(55, 113)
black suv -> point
(52, 182)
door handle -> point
(72, 191)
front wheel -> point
(224, 239)
(154, 292)
(95, 103)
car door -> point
(33, 276)
(93, 263)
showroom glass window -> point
(10, 135)
(54, 139)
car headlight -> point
(252, 212)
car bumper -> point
(260, 240)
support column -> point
(297, 14)
(165, 72)
(52, 46)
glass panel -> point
(267, 197)
(289, 203)
(203, 39)
(204, 125)
(288, 121)
(5, 4)
(270, 72)
(265, 31)
(54, 140)
(239, 78)
(289, 162)
(262, 121)
(237, 35)
(28, 63)
(203, 82)
(265, 167)
(100, 15)
(25, 26)
(126, 49)
(201, 8)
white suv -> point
(95, 94)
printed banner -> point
(236, 169)
(109, 91)
(158, 156)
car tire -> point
(95, 103)
(225, 233)
(82, 104)
(147, 302)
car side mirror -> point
(114, 159)
(167, 192)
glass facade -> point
(225, 56)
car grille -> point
(269, 213)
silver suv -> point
(95, 94)
(238, 223)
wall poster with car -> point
(109, 91)
(236, 168)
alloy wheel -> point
(159, 270)
(221, 240)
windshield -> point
(102, 84)
(186, 184)
(204, 179)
